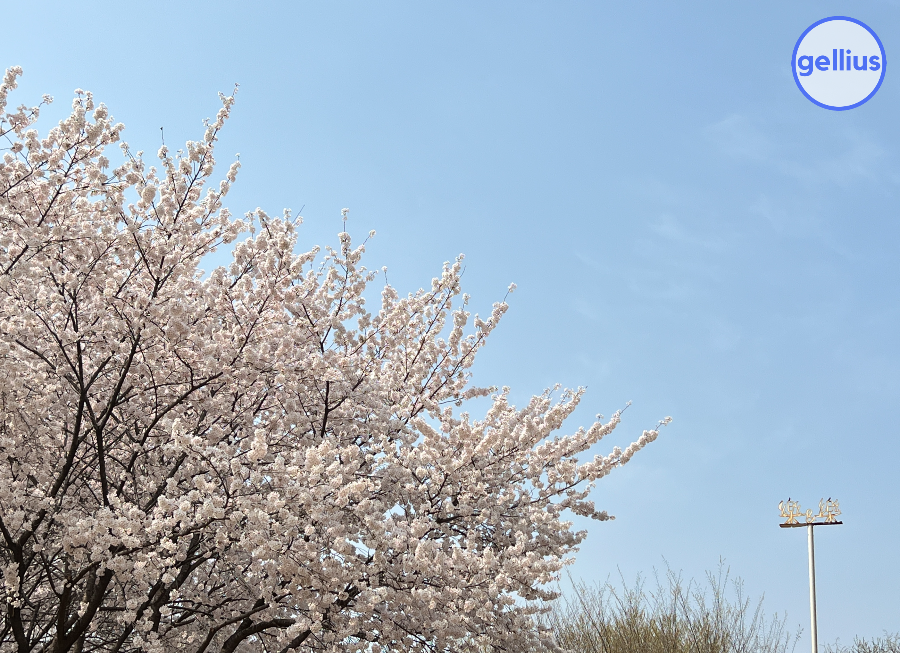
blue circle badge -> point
(839, 63)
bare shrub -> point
(887, 644)
(674, 616)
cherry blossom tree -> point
(250, 460)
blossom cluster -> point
(250, 460)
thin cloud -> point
(858, 157)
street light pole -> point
(828, 510)
(814, 630)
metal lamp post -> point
(828, 511)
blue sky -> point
(687, 232)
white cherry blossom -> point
(250, 460)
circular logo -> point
(839, 63)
